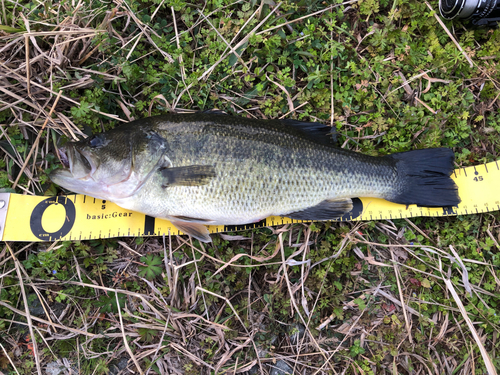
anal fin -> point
(327, 210)
(195, 230)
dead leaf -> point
(4, 362)
(415, 282)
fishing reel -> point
(479, 12)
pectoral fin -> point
(326, 210)
(195, 230)
(192, 175)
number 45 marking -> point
(478, 178)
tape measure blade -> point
(83, 217)
(478, 188)
(4, 207)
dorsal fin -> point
(214, 112)
(315, 131)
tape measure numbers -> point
(79, 217)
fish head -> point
(113, 165)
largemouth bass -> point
(211, 168)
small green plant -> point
(108, 304)
(147, 335)
(356, 349)
(152, 267)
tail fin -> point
(424, 178)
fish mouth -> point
(76, 170)
(79, 163)
(63, 157)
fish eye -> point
(96, 141)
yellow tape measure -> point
(79, 217)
